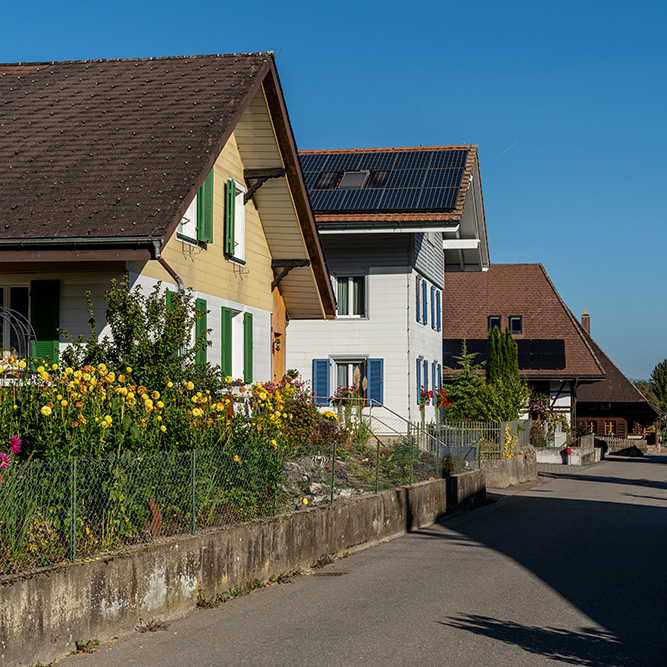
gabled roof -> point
(109, 153)
(615, 388)
(525, 290)
(112, 148)
(422, 186)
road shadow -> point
(589, 647)
(602, 556)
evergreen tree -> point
(464, 388)
(492, 359)
(511, 369)
(659, 382)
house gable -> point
(549, 330)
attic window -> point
(354, 180)
(495, 321)
(516, 324)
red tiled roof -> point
(453, 216)
(512, 290)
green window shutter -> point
(230, 214)
(45, 317)
(226, 358)
(171, 300)
(171, 306)
(201, 329)
(205, 210)
(247, 347)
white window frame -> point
(349, 277)
(239, 223)
(187, 228)
(5, 336)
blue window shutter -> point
(375, 371)
(424, 302)
(433, 306)
(419, 316)
(439, 376)
(425, 375)
(419, 380)
(321, 370)
(247, 347)
(438, 309)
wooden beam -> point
(286, 265)
(262, 176)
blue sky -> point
(566, 101)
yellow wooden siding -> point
(205, 269)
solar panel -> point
(449, 159)
(443, 178)
(313, 161)
(401, 199)
(406, 178)
(439, 198)
(344, 162)
(413, 160)
(403, 180)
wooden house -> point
(182, 170)
(614, 406)
(555, 355)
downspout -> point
(180, 287)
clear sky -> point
(566, 101)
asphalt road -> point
(569, 571)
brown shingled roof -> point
(615, 388)
(112, 148)
(511, 290)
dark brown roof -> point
(112, 148)
(508, 290)
(615, 388)
(450, 217)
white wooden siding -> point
(261, 331)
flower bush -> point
(95, 411)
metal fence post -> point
(377, 465)
(411, 444)
(72, 499)
(439, 431)
(333, 471)
(193, 502)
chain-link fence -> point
(52, 511)
(65, 510)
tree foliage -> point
(502, 397)
(659, 382)
(151, 336)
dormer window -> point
(354, 180)
(516, 324)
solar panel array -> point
(399, 181)
(533, 354)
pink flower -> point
(5, 461)
(15, 444)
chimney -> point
(586, 321)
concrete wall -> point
(43, 614)
(501, 473)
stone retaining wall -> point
(501, 473)
(43, 614)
